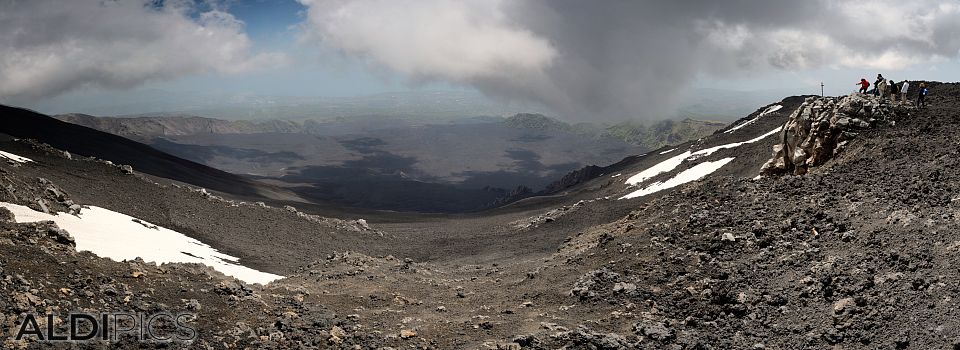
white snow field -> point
(675, 161)
(121, 237)
(695, 173)
(769, 110)
(662, 167)
(15, 157)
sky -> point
(585, 60)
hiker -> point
(922, 95)
(881, 88)
(894, 91)
(876, 85)
(864, 85)
(903, 91)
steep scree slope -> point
(859, 253)
(84, 141)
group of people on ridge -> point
(888, 87)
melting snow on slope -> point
(668, 151)
(709, 151)
(120, 237)
(675, 161)
(695, 173)
(661, 167)
(769, 110)
(15, 157)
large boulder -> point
(821, 127)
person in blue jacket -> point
(922, 95)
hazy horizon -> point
(596, 61)
(427, 104)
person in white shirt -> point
(903, 91)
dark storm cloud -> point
(627, 59)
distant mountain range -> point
(652, 136)
(458, 165)
(419, 105)
(424, 106)
(663, 133)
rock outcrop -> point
(821, 128)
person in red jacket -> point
(864, 84)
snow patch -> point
(711, 150)
(668, 151)
(15, 157)
(618, 175)
(675, 161)
(769, 110)
(121, 237)
(695, 173)
(659, 168)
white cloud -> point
(628, 59)
(879, 34)
(457, 40)
(598, 59)
(50, 47)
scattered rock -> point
(654, 330)
(728, 237)
(363, 224)
(843, 304)
(42, 204)
(61, 236)
(337, 333)
(407, 334)
(6, 215)
(622, 287)
(26, 301)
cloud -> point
(627, 59)
(470, 41)
(50, 47)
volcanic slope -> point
(76, 139)
(447, 249)
(858, 253)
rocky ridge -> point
(823, 126)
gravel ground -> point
(861, 252)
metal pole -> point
(821, 89)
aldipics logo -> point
(158, 327)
